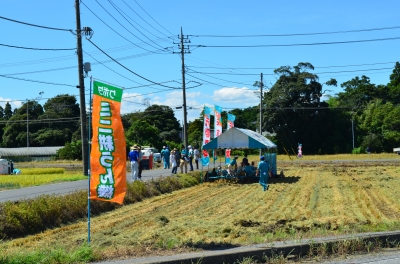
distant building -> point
(29, 154)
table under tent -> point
(239, 138)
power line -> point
(144, 78)
(298, 34)
(296, 44)
(219, 78)
(28, 80)
(267, 68)
(230, 73)
(123, 25)
(116, 31)
(152, 17)
(125, 15)
(33, 25)
(28, 48)
(144, 19)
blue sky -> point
(227, 74)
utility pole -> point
(183, 51)
(81, 87)
(261, 96)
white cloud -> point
(244, 96)
(14, 103)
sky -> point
(228, 43)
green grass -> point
(24, 180)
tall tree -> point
(294, 111)
(143, 133)
(60, 119)
(8, 111)
(394, 85)
(15, 133)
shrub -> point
(356, 151)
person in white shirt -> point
(196, 153)
(173, 161)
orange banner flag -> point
(108, 154)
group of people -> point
(263, 169)
(180, 158)
(170, 158)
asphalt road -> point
(68, 187)
(391, 257)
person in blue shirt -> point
(232, 164)
(134, 159)
(263, 173)
(166, 155)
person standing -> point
(134, 159)
(196, 153)
(162, 155)
(190, 158)
(184, 159)
(173, 160)
(166, 155)
(263, 173)
(140, 163)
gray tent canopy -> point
(240, 138)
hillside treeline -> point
(297, 108)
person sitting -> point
(245, 161)
(249, 170)
(232, 164)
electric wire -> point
(28, 80)
(256, 74)
(152, 18)
(144, 19)
(192, 71)
(295, 44)
(316, 67)
(125, 15)
(299, 34)
(116, 31)
(124, 26)
(115, 7)
(33, 25)
(144, 78)
(119, 73)
(29, 48)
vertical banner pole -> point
(90, 141)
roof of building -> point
(31, 151)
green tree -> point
(8, 111)
(71, 151)
(15, 133)
(380, 124)
(62, 107)
(358, 92)
(142, 133)
(195, 132)
(394, 85)
(162, 117)
(295, 113)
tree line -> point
(296, 109)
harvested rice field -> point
(311, 200)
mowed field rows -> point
(311, 200)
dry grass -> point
(311, 201)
